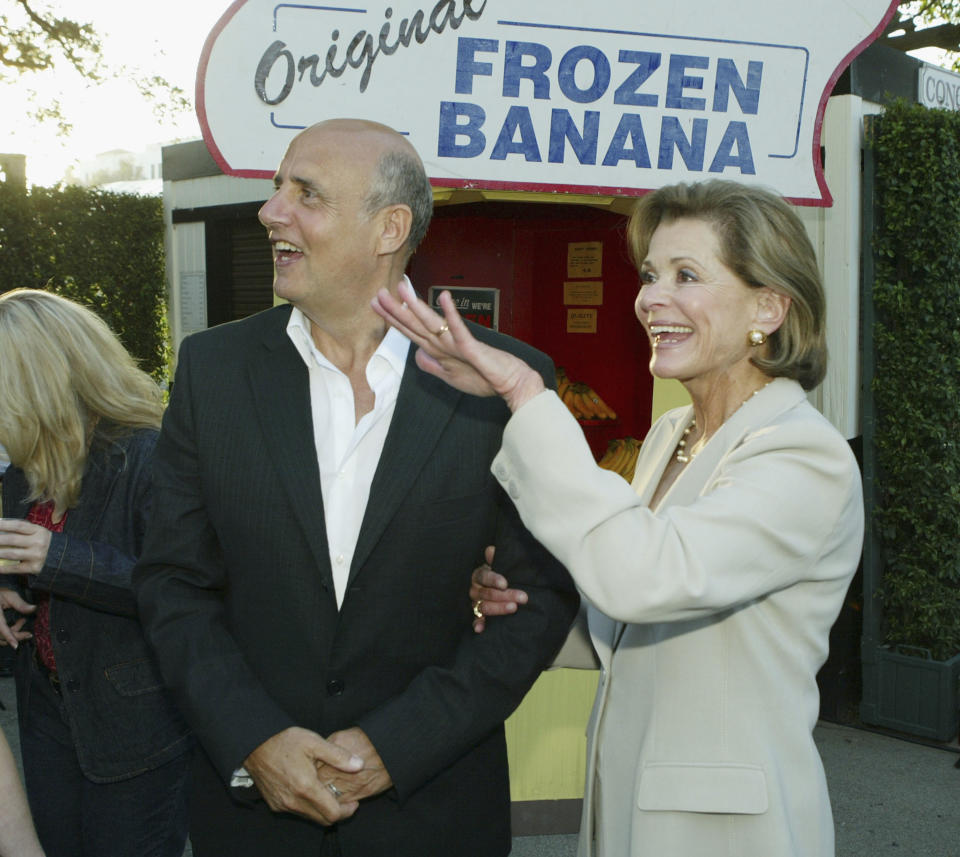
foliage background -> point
(916, 386)
(926, 24)
(99, 248)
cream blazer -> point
(710, 618)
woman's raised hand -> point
(449, 351)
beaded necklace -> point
(681, 454)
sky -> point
(165, 39)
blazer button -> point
(334, 687)
(73, 685)
(63, 636)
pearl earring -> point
(756, 337)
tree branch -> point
(71, 37)
(896, 24)
(944, 36)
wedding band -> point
(443, 329)
(478, 609)
(335, 791)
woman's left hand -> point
(490, 593)
(449, 351)
(13, 635)
(25, 544)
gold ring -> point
(443, 329)
(335, 791)
(478, 609)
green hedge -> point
(916, 388)
(102, 249)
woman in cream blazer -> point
(712, 581)
(710, 618)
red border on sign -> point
(201, 103)
(821, 109)
(480, 184)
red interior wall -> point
(521, 248)
(468, 250)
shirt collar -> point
(393, 348)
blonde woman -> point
(104, 749)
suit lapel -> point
(604, 633)
(658, 446)
(779, 395)
(100, 472)
(658, 449)
(103, 467)
(424, 407)
(281, 392)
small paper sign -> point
(583, 293)
(585, 259)
(581, 321)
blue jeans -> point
(143, 816)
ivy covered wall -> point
(916, 384)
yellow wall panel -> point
(546, 736)
(667, 394)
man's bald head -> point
(396, 173)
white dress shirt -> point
(348, 452)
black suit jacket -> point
(236, 596)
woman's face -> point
(696, 311)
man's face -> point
(324, 243)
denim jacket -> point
(122, 719)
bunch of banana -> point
(621, 456)
(582, 400)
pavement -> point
(891, 795)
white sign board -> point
(611, 97)
(937, 87)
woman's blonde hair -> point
(65, 380)
(764, 243)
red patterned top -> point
(42, 515)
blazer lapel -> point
(658, 448)
(604, 632)
(424, 407)
(779, 395)
(659, 445)
(776, 397)
(281, 392)
(102, 468)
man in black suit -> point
(320, 503)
